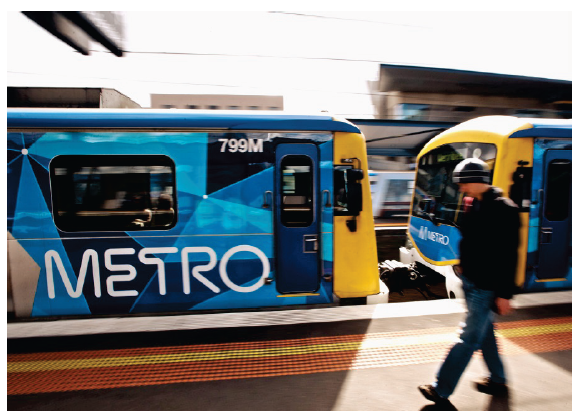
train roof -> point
(546, 128)
(513, 127)
(173, 119)
(507, 127)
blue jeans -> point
(477, 334)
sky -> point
(318, 60)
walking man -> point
(488, 255)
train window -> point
(435, 195)
(399, 190)
(558, 190)
(348, 197)
(340, 189)
(297, 191)
(113, 192)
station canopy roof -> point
(414, 79)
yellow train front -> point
(530, 160)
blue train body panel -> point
(439, 243)
(546, 128)
(532, 281)
(219, 253)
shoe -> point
(428, 390)
(488, 386)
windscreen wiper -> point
(436, 221)
(423, 214)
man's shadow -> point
(499, 403)
(440, 407)
(496, 403)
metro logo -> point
(427, 235)
(91, 257)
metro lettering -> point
(425, 234)
(233, 286)
(196, 270)
(130, 272)
(119, 267)
(158, 262)
(88, 254)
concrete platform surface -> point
(353, 358)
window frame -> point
(307, 208)
(553, 203)
(431, 210)
(92, 222)
(341, 208)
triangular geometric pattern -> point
(31, 217)
(42, 179)
(13, 187)
(229, 217)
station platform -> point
(352, 358)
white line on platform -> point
(261, 318)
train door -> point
(555, 235)
(296, 218)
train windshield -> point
(436, 197)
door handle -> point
(546, 235)
(540, 201)
(328, 193)
(264, 202)
(311, 243)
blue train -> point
(531, 161)
(117, 212)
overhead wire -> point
(265, 56)
(347, 19)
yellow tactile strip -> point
(85, 370)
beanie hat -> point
(471, 170)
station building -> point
(68, 97)
(216, 102)
(414, 104)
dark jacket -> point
(488, 249)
